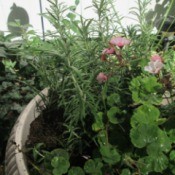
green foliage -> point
(93, 167)
(151, 164)
(143, 135)
(145, 114)
(126, 172)
(60, 165)
(56, 153)
(76, 171)
(162, 144)
(145, 90)
(110, 154)
(98, 125)
(17, 81)
(37, 156)
(113, 99)
(172, 155)
(112, 114)
(112, 83)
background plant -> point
(17, 87)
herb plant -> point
(115, 88)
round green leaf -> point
(109, 154)
(93, 166)
(144, 90)
(149, 163)
(112, 115)
(76, 171)
(126, 172)
(113, 99)
(145, 165)
(162, 144)
(60, 152)
(56, 152)
(160, 163)
(143, 135)
(145, 114)
(60, 164)
(57, 172)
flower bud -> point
(101, 78)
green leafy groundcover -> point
(17, 84)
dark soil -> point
(46, 129)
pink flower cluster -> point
(155, 64)
(115, 42)
(116, 45)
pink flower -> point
(156, 57)
(119, 41)
(154, 66)
(109, 51)
(101, 78)
(106, 52)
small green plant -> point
(16, 80)
(115, 88)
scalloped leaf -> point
(145, 114)
(93, 166)
(162, 144)
(112, 115)
(60, 165)
(110, 154)
(76, 171)
(144, 134)
(149, 164)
